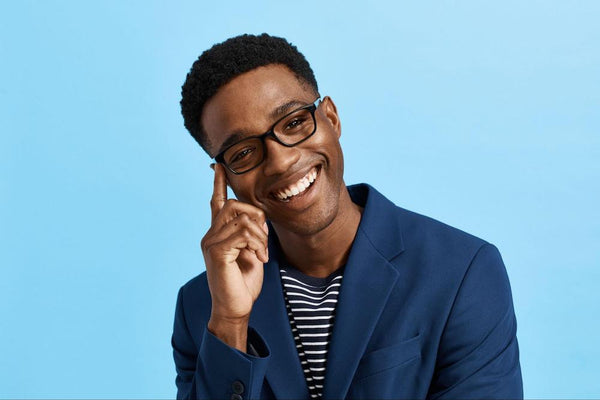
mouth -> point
(298, 188)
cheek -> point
(241, 194)
(329, 145)
(236, 187)
(324, 140)
(244, 193)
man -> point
(314, 289)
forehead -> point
(248, 104)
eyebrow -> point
(277, 113)
(286, 107)
(235, 137)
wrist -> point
(233, 332)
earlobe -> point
(332, 115)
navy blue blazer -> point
(424, 312)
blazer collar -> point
(379, 222)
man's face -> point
(247, 106)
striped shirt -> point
(310, 303)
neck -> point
(322, 253)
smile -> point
(297, 188)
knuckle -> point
(209, 252)
(230, 203)
(204, 243)
(261, 214)
(215, 205)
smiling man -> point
(314, 289)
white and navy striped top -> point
(311, 304)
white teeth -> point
(298, 187)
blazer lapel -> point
(269, 317)
(367, 283)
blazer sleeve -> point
(215, 370)
(478, 356)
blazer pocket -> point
(388, 357)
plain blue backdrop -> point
(484, 115)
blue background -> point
(484, 115)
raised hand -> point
(234, 249)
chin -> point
(309, 224)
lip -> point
(301, 200)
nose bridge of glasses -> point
(274, 137)
(273, 143)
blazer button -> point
(236, 397)
(237, 387)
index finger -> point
(219, 196)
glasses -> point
(290, 130)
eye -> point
(295, 123)
(241, 154)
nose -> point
(279, 158)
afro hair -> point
(224, 61)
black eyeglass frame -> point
(271, 133)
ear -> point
(330, 111)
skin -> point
(315, 230)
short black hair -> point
(225, 61)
